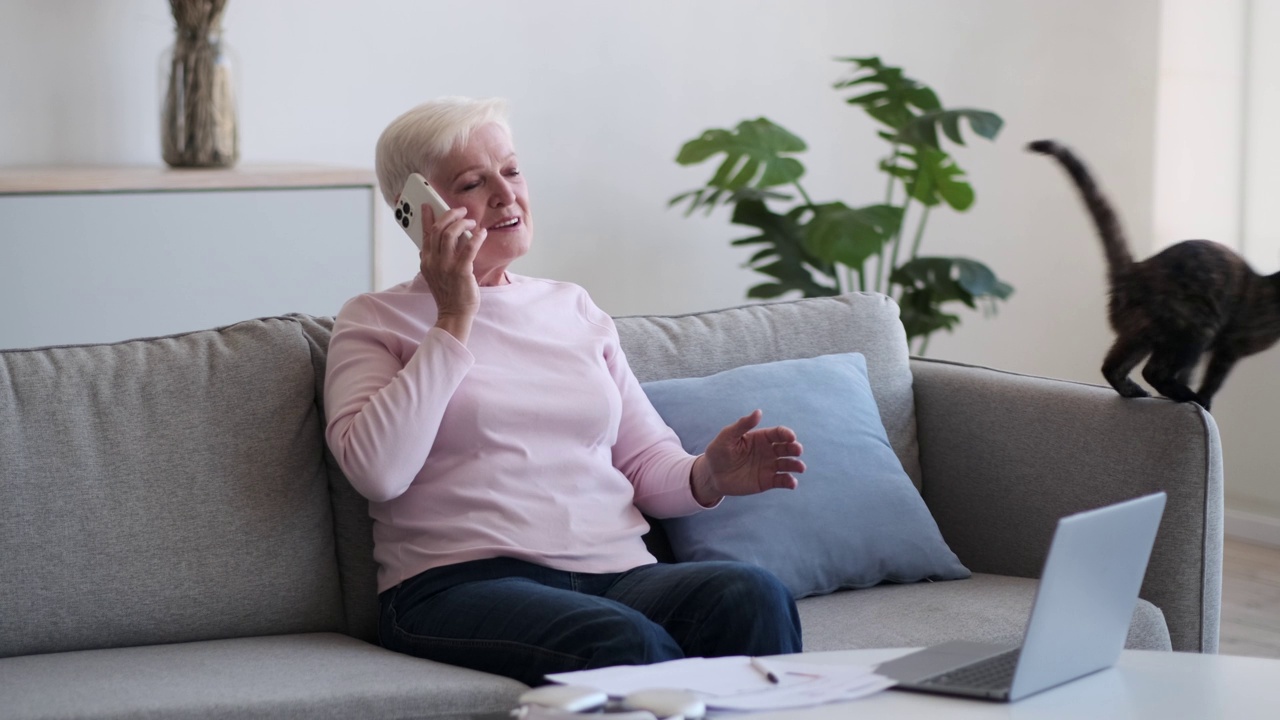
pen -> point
(764, 670)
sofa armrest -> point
(1004, 455)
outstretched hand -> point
(743, 460)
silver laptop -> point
(1078, 624)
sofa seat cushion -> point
(316, 675)
(983, 608)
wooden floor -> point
(1250, 600)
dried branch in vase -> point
(198, 125)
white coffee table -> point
(1143, 684)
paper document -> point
(734, 683)
(805, 686)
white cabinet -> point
(104, 254)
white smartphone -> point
(413, 195)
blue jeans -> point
(521, 620)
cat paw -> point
(1131, 389)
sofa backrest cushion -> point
(352, 525)
(701, 344)
(164, 490)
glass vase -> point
(198, 124)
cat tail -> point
(1114, 242)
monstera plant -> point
(827, 248)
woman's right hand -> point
(447, 264)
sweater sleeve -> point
(647, 452)
(383, 415)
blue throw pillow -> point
(854, 521)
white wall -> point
(603, 95)
(1261, 149)
(1200, 107)
(1248, 409)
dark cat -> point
(1191, 298)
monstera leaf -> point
(930, 176)
(923, 130)
(850, 236)
(951, 279)
(929, 282)
(784, 257)
(915, 115)
(899, 98)
(754, 156)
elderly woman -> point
(508, 452)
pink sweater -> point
(534, 440)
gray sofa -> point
(176, 542)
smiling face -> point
(484, 177)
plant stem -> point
(888, 200)
(897, 238)
(915, 246)
(924, 345)
(803, 194)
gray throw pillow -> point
(854, 521)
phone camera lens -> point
(404, 222)
(399, 214)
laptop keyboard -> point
(993, 673)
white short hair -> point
(421, 137)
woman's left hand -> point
(743, 460)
